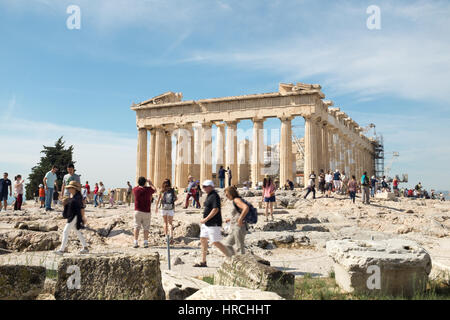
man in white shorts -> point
(211, 224)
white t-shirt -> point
(328, 178)
(18, 187)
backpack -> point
(252, 214)
(168, 200)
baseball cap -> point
(208, 183)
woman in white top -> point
(18, 191)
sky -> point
(80, 83)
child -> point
(42, 196)
(55, 197)
(111, 198)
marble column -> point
(168, 147)
(346, 156)
(198, 136)
(337, 151)
(141, 166)
(285, 150)
(320, 160)
(257, 151)
(220, 146)
(310, 149)
(152, 154)
(243, 161)
(206, 153)
(183, 157)
(191, 165)
(332, 154)
(325, 149)
(231, 153)
(160, 153)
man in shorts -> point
(211, 224)
(142, 206)
(5, 185)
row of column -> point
(328, 149)
(325, 148)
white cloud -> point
(99, 155)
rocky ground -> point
(294, 241)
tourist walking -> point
(221, 175)
(112, 194)
(190, 191)
(101, 192)
(311, 185)
(5, 184)
(55, 195)
(373, 186)
(167, 200)
(18, 191)
(142, 206)
(96, 195)
(337, 181)
(87, 187)
(196, 193)
(365, 183)
(384, 185)
(129, 192)
(395, 186)
(352, 185)
(50, 184)
(74, 213)
(230, 176)
(211, 224)
(42, 196)
(328, 183)
(268, 196)
(344, 182)
(67, 179)
(321, 181)
(238, 224)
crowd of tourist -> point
(74, 197)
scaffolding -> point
(379, 156)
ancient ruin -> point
(332, 139)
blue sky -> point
(81, 83)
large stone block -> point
(110, 277)
(179, 287)
(252, 272)
(19, 282)
(392, 267)
(385, 196)
(232, 293)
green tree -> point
(57, 155)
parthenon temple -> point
(332, 139)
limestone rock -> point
(314, 228)
(404, 266)
(26, 240)
(385, 196)
(278, 225)
(192, 230)
(252, 272)
(19, 282)
(179, 287)
(114, 276)
(232, 293)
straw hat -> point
(75, 185)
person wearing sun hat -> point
(75, 219)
